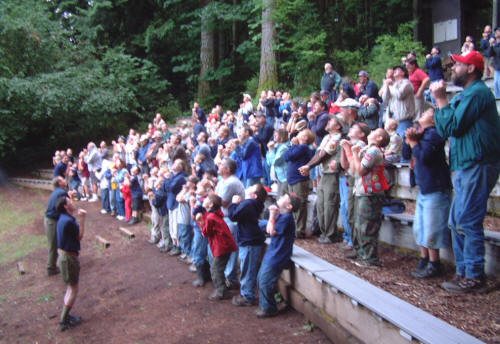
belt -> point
(69, 253)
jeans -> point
(113, 196)
(344, 196)
(231, 270)
(75, 184)
(268, 278)
(185, 237)
(120, 202)
(472, 188)
(199, 246)
(251, 181)
(249, 260)
(105, 200)
(497, 83)
(267, 173)
(401, 130)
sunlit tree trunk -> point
(207, 52)
(268, 78)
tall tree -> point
(268, 77)
(207, 50)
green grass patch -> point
(45, 298)
(10, 251)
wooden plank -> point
(103, 242)
(412, 320)
(127, 233)
(20, 268)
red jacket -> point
(216, 230)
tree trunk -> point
(207, 52)
(268, 78)
(221, 49)
(416, 17)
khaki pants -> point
(50, 231)
(327, 205)
(300, 216)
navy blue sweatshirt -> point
(432, 173)
(297, 156)
(247, 214)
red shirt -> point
(216, 230)
(416, 79)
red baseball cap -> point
(473, 57)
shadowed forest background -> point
(73, 71)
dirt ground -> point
(129, 293)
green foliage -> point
(350, 61)
(390, 48)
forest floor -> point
(129, 292)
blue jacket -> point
(68, 231)
(142, 153)
(432, 173)
(318, 126)
(251, 159)
(269, 104)
(60, 170)
(135, 187)
(297, 156)
(280, 249)
(247, 214)
(371, 90)
(160, 200)
(263, 136)
(172, 186)
(435, 68)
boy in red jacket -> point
(220, 239)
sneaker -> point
(113, 213)
(323, 240)
(429, 271)
(175, 251)
(345, 247)
(154, 241)
(217, 297)
(120, 218)
(133, 221)
(160, 243)
(188, 260)
(104, 211)
(165, 249)
(183, 256)
(240, 301)
(83, 199)
(367, 265)
(52, 272)
(452, 284)
(192, 268)
(259, 313)
(465, 285)
(94, 198)
(350, 254)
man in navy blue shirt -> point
(199, 113)
(61, 168)
(69, 235)
(51, 217)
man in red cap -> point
(471, 119)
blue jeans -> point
(401, 130)
(249, 260)
(497, 83)
(270, 120)
(120, 205)
(185, 233)
(344, 196)
(105, 200)
(268, 278)
(231, 271)
(75, 184)
(251, 181)
(472, 188)
(267, 173)
(199, 246)
(113, 196)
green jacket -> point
(471, 119)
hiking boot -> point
(52, 272)
(465, 285)
(350, 254)
(71, 321)
(430, 270)
(175, 251)
(232, 285)
(259, 313)
(240, 301)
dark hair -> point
(478, 73)
(322, 104)
(282, 135)
(413, 62)
(231, 164)
(364, 128)
(437, 48)
(246, 127)
(60, 203)
(315, 96)
(295, 201)
(261, 192)
(385, 138)
(193, 179)
(403, 68)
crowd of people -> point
(207, 181)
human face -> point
(363, 79)
(355, 133)
(250, 192)
(427, 119)
(284, 203)
(317, 107)
(460, 74)
(70, 206)
(331, 125)
(303, 137)
(207, 204)
(375, 136)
